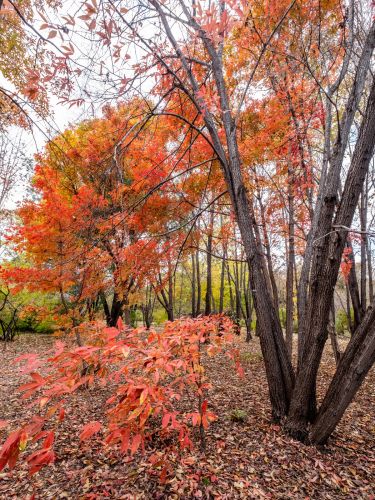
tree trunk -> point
(199, 285)
(354, 365)
(107, 312)
(222, 283)
(325, 267)
(363, 219)
(208, 298)
(249, 312)
(290, 265)
(116, 310)
(333, 336)
(353, 288)
(370, 279)
(193, 286)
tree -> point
(203, 72)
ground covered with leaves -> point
(246, 456)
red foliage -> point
(150, 373)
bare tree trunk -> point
(181, 291)
(332, 334)
(267, 246)
(170, 310)
(348, 309)
(353, 288)
(290, 265)
(363, 219)
(328, 190)
(231, 298)
(325, 267)
(199, 285)
(249, 311)
(370, 279)
(222, 283)
(193, 286)
(354, 365)
(208, 299)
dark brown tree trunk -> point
(354, 365)
(332, 334)
(116, 310)
(329, 181)
(353, 288)
(325, 267)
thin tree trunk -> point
(348, 309)
(199, 285)
(222, 283)
(193, 286)
(249, 311)
(170, 311)
(290, 265)
(363, 220)
(353, 288)
(267, 246)
(332, 334)
(208, 298)
(370, 279)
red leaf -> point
(166, 419)
(125, 441)
(204, 406)
(136, 443)
(61, 414)
(49, 440)
(196, 418)
(40, 458)
(89, 430)
(120, 324)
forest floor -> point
(252, 459)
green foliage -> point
(160, 316)
(29, 325)
(34, 312)
(238, 415)
(342, 323)
(282, 316)
(250, 357)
